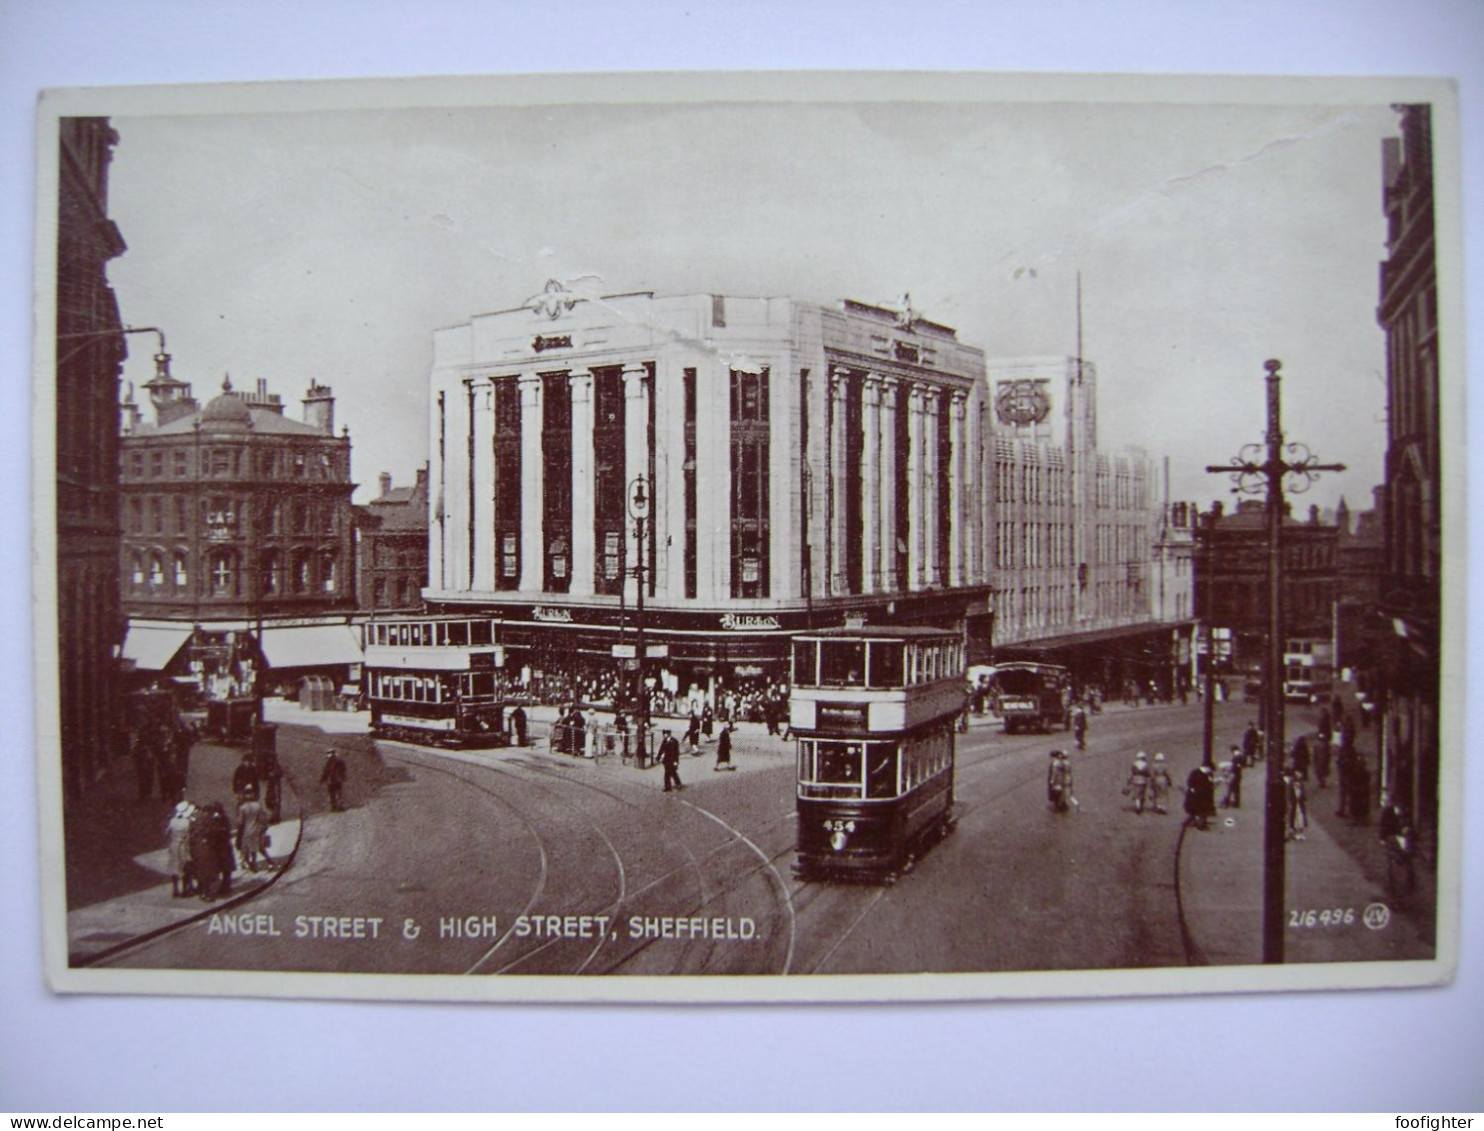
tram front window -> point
(886, 663)
(838, 763)
(842, 663)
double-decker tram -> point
(436, 681)
(873, 712)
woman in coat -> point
(182, 872)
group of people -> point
(206, 847)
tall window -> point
(945, 462)
(903, 486)
(556, 453)
(222, 572)
(507, 483)
(609, 490)
(855, 437)
(749, 507)
(689, 475)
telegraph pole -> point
(1250, 477)
(639, 509)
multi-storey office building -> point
(802, 463)
(90, 356)
(1412, 587)
(235, 516)
(1072, 531)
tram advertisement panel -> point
(713, 574)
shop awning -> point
(152, 647)
(1095, 636)
(315, 646)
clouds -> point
(331, 245)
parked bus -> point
(873, 713)
(1308, 670)
(436, 681)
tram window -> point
(806, 663)
(885, 669)
(842, 663)
(480, 632)
(458, 633)
(881, 770)
(838, 762)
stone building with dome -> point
(237, 535)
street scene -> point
(1022, 556)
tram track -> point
(735, 837)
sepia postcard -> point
(749, 537)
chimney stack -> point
(319, 408)
(386, 484)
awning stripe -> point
(152, 648)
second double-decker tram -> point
(436, 681)
(873, 713)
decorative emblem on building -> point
(906, 316)
(1022, 402)
(554, 301)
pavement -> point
(120, 893)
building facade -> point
(234, 515)
(90, 356)
(1411, 587)
(392, 547)
(1232, 584)
(800, 463)
(1072, 557)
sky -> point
(330, 245)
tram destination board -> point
(849, 579)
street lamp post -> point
(1251, 473)
(639, 501)
(1208, 727)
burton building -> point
(801, 464)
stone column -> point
(886, 469)
(581, 382)
(636, 460)
(932, 502)
(532, 545)
(839, 576)
(959, 490)
(870, 534)
(916, 496)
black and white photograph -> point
(746, 538)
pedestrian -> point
(1250, 744)
(252, 834)
(1298, 805)
(1360, 792)
(770, 715)
(578, 735)
(1345, 768)
(693, 732)
(211, 851)
(1137, 785)
(1232, 798)
(182, 873)
(724, 749)
(1325, 728)
(1300, 758)
(1200, 797)
(670, 759)
(144, 763)
(332, 777)
(245, 779)
(1059, 782)
(708, 721)
(1323, 755)
(272, 776)
(1079, 728)
(1159, 782)
(518, 720)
